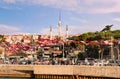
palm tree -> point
(107, 28)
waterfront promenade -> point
(74, 71)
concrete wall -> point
(15, 71)
(97, 71)
(16, 67)
(56, 69)
(100, 71)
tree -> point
(19, 54)
(107, 32)
(116, 34)
(73, 44)
(81, 56)
(2, 39)
(83, 37)
(107, 28)
(92, 51)
(39, 52)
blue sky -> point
(36, 16)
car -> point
(24, 62)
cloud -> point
(79, 6)
(76, 19)
(5, 29)
(9, 1)
(82, 29)
(116, 19)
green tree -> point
(116, 34)
(107, 32)
(2, 39)
(81, 56)
(19, 54)
(39, 52)
(92, 51)
(73, 44)
(83, 37)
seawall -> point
(60, 71)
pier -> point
(60, 71)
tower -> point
(66, 31)
(50, 32)
(59, 25)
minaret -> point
(59, 25)
(50, 33)
(66, 31)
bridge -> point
(60, 71)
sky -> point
(36, 16)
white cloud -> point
(80, 6)
(9, 1)
(82, 29)
(76, 19)
(105, 6)
(5, 29)
(116, 19)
